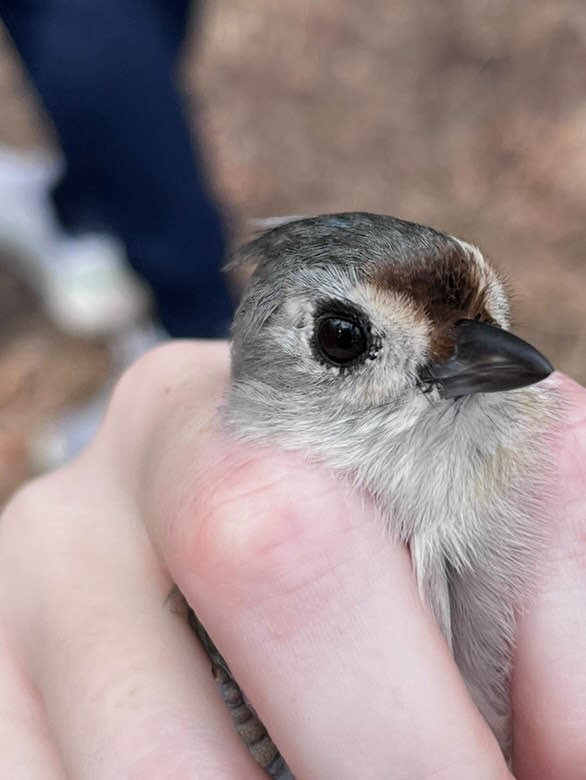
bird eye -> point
(340, 341)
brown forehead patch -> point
(445, 287)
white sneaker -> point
(65, 436)
(86, 285)
(89, 290)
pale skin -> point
(314, 609)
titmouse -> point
(380, 348)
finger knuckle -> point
(255, 528)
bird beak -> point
(487, 359)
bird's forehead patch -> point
(394, 307)
(444, 287)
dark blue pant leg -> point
(105, 72)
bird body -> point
(380, 348)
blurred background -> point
(466, 115)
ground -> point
(467, 115)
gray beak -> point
(487, 359)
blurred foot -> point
(67, 435)
(88, 290)
(86, 286)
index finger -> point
(318, 614)
(313, 607)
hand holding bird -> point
(312, 603)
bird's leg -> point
(249, 727)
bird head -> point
(354, 311)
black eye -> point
(340, 341)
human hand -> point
(316, 613)
(549, 679)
